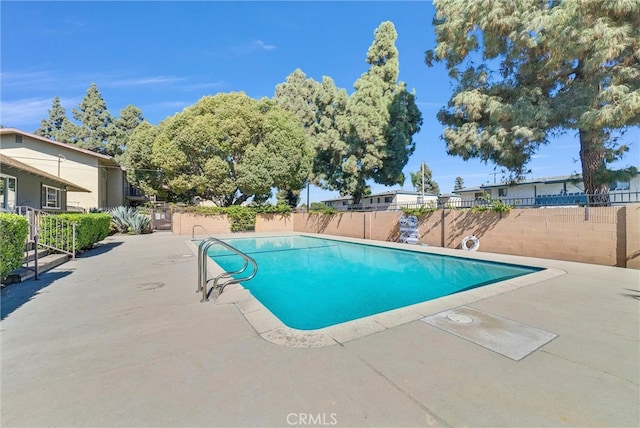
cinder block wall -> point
(632, 234)
(274, 223)
(183, 223)
(605, 235)
(572, 234)
(350, 224)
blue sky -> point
(164, 56)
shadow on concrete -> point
(15, 295)
(99, 249)
(635, 294)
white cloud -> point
(262, 45)
(26, 113)
(26, 80)
(22, 114)
(251, 47)
(139, 81)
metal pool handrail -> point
(193, 230)
(203, 247)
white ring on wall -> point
(475, 243)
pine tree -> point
(380, 121)
(459, 184)
(430, 186)
(530, 69)
(95, 122)
(57, 127)
(123, 127)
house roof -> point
(105, 158)
(543, 180)
(388, 193)
(11, 162)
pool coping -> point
(270, 328)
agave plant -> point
(120, 218)
(139, 223)
(129, 220)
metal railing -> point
(50, 231)
(203, 279)
(193, 230)
(582, 199)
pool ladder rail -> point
(203, 247)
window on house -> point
(50, 197)
(18, 139)
(478, 195)
(344, 202)
(8, 192)
(388, 199)
(502, 191)
(620, 185)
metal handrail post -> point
(200, 257)
(203, 247)
(35, 257)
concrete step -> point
(30, 255)
(45, 263)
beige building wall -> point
(98, 173)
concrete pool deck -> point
(119, 338)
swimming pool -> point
(311, 283)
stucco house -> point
(37, 189)
(551, 191)
(57, 176)
(384, 201)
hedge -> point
(14, 230)
(90, 228)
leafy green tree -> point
(430, 186)
(459, 184)
(138, 161)
(57, 127)
(527, 70)
(297, 94)
(320, 106)
(227, 148)
(95, 122)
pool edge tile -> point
(270, 328)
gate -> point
(161, 216)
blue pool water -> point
(311, 283)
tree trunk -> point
(592, 158)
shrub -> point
(14, 230)
(491, 204)
(418, 212)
